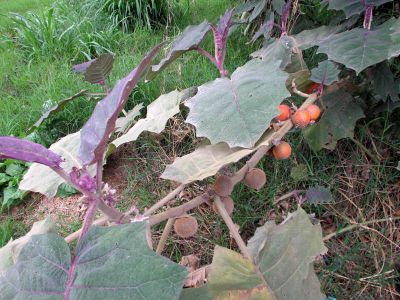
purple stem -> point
(368, 17)
(285, 16)
(208, 55)
(89, 217)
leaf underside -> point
(337, 122)
(238, 110)
(110, 263)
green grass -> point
(19, 6)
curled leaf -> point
(96, 70)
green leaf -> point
(395, 36)
(358, 48)
(201, 293)
(258, 9)
(65, 190)
(238, 110)
(123, 123)
(10, 252)
(190, 39)
(42, 179)
(299, 172)
(55, 109)
(337, 122)
(326, 73)
(354, 7)
(110, 263)
(309, 38)
(4, 178)
(318, 195)
(11, 195)
(158, 113)
(14, 170)
(384, 83)
(278, 5)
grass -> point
(359, 264)
(19, 6)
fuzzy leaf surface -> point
(55, 109)
(326, 73)
(97, 130)
(96, 70)
(190, 39)
(110, 263)
(354, 7)
(20, 149)
(238, 110)
(10, 252)
(384, 82)
(337, 122)
(41, 179)
(358, 48)
(158, 113)
(313, 37)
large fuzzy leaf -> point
(326, 73)
(44, 180)
(354, 7)
(158, 113)
(10, 252)
(110, 263)
(238, 110)
(358, 48)
(384, 83)
(284, 256)
(96, 70)
(337, 122)
(190, 39)
(395, 36)
(16, 148)
(55, 109)
(96, 132)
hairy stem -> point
(232, 229)
(165, 200)
(285, 16)
(89, 218)
(368, 17)
(164, 236)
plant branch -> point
(208, 55)
(164, 236)
(164, 200)
(232, 229)
(89, 217)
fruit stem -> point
(164, 236)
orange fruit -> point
(314, 111)
(284, 112)
(313, 88)
(282, 151)
(301, 118)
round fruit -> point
(284, 112)
(313, 88)
(228, 203)
(255, 178)
(314, 111)
(223, 186)
(282, 151)
(301, 118)
(186, 226)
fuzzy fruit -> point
(255, 179)
(314, 111)
(223, 186)
(282, 151)
(228, 203)
(301, 118)
(186, 226)
(313, 88)
(284, 111)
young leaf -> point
(337, 122)
(15, 148)
(358, 48)
(238, 110)
(96, 70)
(190, 39)
(44, 180)
(221, 36)
(96, 132)
(354, 7)
(110, 263)
(318, 195)
(10, 252)
(55, 109)
(123, 123)
(326, 73)
(158, 113)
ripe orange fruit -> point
(282, 151)
(284, 112)
(301, 118)
(314, 111)
(313, 88)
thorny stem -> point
(164, 236)
(232, 229)
(368, 17)
(285, 16)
